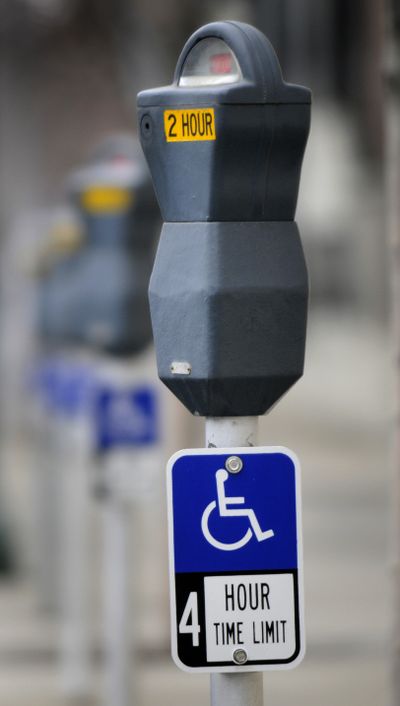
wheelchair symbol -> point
(223, 501)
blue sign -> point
(65, 385)
(126, 417)
(236, 567)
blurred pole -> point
(117, 475)
(74, 482)
(234, 689)
(393, 231)
(47, 504)
(118, 607)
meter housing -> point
(229, 288)
(120, 219)
(97, 296)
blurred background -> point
(69, 74)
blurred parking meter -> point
(119, 214)
(228, 298)
(54, 262)
(67, 383)
(116, 202)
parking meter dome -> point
(225, 141)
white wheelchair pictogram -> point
(223, 502)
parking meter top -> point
(225, 141)
(120, 216)
(116, 147)
(116, 203)
(229, 288)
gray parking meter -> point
(95, 293)
(229, 291)
(120, 216)
(96, 300)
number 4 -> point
(191, 612)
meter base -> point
(229, 308)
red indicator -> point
(221, 63)
(120, 159)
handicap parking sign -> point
(125, 416)
(235, 559)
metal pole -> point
(75, 556)
(393, 238)
(234, 689)
(47, 482)
(117, 606)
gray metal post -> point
(75, 572)
(237, 689)
(393, 238)
(117, 606)
(121, 472)
(234, 689)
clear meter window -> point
(210, 63)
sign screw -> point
(234, 464)
(240, 656)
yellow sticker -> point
(189, 124)
(102, 199)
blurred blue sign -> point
(65, 386)
(125, 416)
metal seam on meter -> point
(189, 125)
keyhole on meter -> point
(147, 126)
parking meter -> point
(229, 290)
(116, 201)
(117, 206)
(94, 314)
(228, 299)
